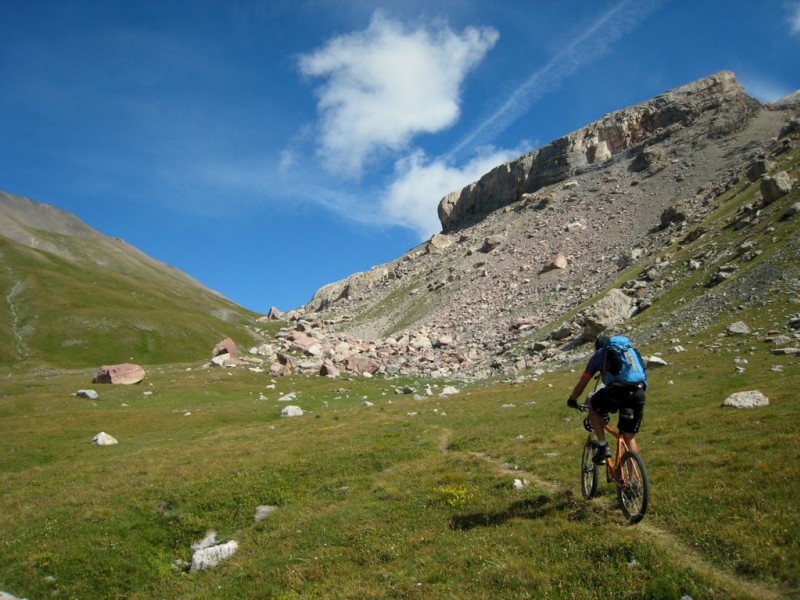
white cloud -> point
(762, 89)
(388, 83)
(420, 183)
(794, 19)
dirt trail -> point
(667, 542)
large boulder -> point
(613, 309)
(775, 187)
(361, 365)
(125, 374)
(750, 399)
(226, 346)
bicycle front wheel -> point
(588, 470)
(633, 487)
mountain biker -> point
(627, 399)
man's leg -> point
(630, 440)
(596, 421)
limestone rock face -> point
(718, 101)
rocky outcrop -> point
(713, 106)
(492, 297)
(347, 288)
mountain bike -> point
(626, 469)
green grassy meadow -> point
(407, 498)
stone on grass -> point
(655, 362)
(88, 394)
(103, 439)
(738, 328)
(208, 553)
(786, 351)
(749, 399)
(125, 374)
(263, 511)
(773, 188)
(226, 346)
(292, 411)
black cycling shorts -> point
(629, 401)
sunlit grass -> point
(406, 498)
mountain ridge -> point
(489, 281)
(75, 297)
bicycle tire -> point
(588, 470)
(633, 488)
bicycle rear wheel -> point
(633, 488)
(588, 470)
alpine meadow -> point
(404, 434)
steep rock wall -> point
(715, 105)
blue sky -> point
(269, 147)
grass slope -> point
(69, 313)
(405, 499)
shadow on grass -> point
(532, 508)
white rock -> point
(288, 397)
(88, 394)
(292, 411)
(655, 362)
(103, 439)
(749, 399)
(575, 227)
(206, 558)
(738, 328)
(222, 360)
(449, 390)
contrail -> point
(589, 46)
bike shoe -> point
(601, 453)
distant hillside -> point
(73, 297)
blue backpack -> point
(623, 363)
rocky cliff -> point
(595, 228)
(711, 107)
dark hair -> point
(600, 341)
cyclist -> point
(627, 399)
